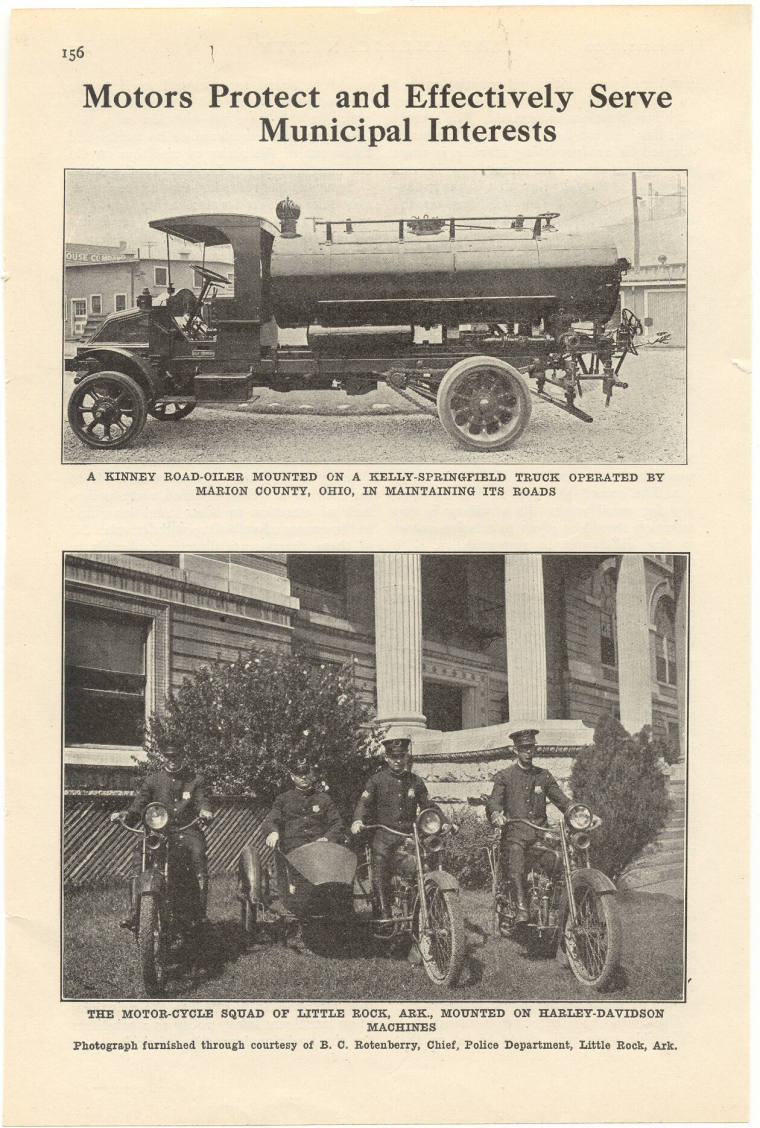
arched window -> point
(607, 633)
(665, 640)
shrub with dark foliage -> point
(619, 776)
(245, 723)
(464, 854)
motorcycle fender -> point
(598, 881)
(150, 881)
(445, 882)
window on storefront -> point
(79, 307)
(119, 302)
(664, 641)
(106, 674)
(160, 276)
(96, 303)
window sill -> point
(104, 755)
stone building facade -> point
(458, 649)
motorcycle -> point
(425, 904)
(572, 912)
(165, 896)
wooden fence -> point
(96, 849)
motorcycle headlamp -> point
(156, 816)
(429, 822)
(578, 816)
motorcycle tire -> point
(151, 944)
(593, 947)
(250, 890)
(444, 948)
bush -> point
(620, 778)
(245, 723)
(464, 854)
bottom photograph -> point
(383, 776)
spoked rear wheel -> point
(442, 944)
(484, 403)
(151, 944)
(593, 946)
(107, 410)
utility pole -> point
(635, 198)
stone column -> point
(398, 639)
(525, 635)
(681, 588)
(634, 659)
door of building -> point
(442, 705)
(78, 316)
(667, 309)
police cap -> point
(524, 736)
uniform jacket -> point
(304, 816)
(393, 800)
(184, 795)
(521, 793)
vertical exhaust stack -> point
(288, 213)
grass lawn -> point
(100, 959)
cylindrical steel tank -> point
(440, 281)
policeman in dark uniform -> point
(520, 792)
(182, 792)
(303, 814)
(393, 796)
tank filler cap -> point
(288, 213)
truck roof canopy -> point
(213, 229)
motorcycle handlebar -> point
(380, 826)
(141, 827)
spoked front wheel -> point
(151, 944)
(593, 946)
(484, 403)
(442, 944)
(107, 410)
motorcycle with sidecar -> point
(330, 890)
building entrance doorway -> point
(442, 704)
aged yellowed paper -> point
(378, 577)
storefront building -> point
(99, 281)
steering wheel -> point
(631, 323)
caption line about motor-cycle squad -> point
(347, 1028)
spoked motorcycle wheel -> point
(151, 944)
(484, 403)
(442, 945)
(593, 947)
(250, 889)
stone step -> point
(656, 859)
(650, 875)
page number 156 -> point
(72, 53)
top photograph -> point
(374, 316)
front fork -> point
(573, 912)
(423, 926)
